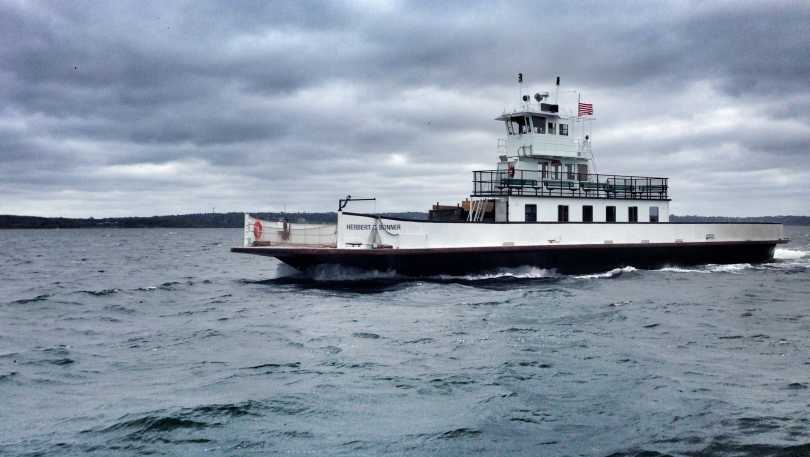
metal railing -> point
(489, 183)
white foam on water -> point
(524, 272)
(729, 268)
(343, 273)
(682, 270)
(609, 274)
(789, 254)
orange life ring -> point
(257, 230)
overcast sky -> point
(142, 108)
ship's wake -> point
(341, 277)
(790, 254)
(784, 260)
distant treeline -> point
(207, 220)
(786, 220)
(235, 220)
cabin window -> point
(531, 213)
(582, 171)
(632, 214)
(653, 214)
(587, 213)
(569, 171)
(564, 129)
(562, 213)
(539, 124)
(610, 214)
(544, 170)
(551, 128)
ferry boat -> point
(542, 205)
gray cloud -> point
(135, 108)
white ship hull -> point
(426, 248)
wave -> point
(783, 261)
(729, 268)
(167, 420)
(524, 272)
(789, 254)
(683, 270)
(616, 272)
(721, 445)
(8, 376)
(336, 275)
(100, 293)
(38, 298)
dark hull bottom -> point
(564, 259)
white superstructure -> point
(546, 171)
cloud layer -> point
(116, 108)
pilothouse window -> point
(517, 125)
(539, 124)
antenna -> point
(557, 92)
(520, 85)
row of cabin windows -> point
(571, 171)
(521, 125)
(587, 213)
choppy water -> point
(161, 342)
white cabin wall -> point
(547, 208)
(359, 232)
(501, 210)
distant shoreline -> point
(236, 220)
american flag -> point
(585, 109)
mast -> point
(520, 86)
(557, 92)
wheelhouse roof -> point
(506, 116)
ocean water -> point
(161, 342)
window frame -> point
(541, 128)
(632, 214)
(563, 129)
(562, 213)
(610, 214)
(526, 212)
(589, 213)
(654, 219)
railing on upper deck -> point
(489, 183)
